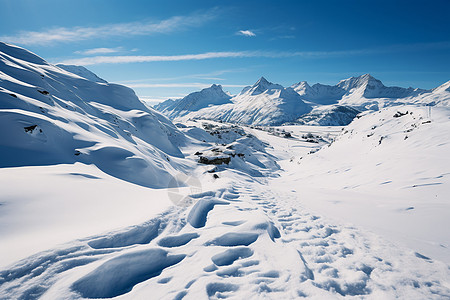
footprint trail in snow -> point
(238, 242)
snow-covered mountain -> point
(52, 116)
(263, 103)
(363, 92)
(266, 103)
(319, 93)
(214, 95)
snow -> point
(77, 120)
(211, 96)
(264, 103)
(397, 172)
(82, 72)
(103, 197)
(44, 206)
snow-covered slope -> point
(211, 96)
(51, 116)
(390, 165)
(439, 96)
(82, 72)
(329, 115)
(264, 103)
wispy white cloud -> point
(246, 33)
(178, 85)
(85, 61)
(202, 76)
(95, 60)
(72, 34)
(96, 51)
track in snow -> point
(238, 242)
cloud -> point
(73, 34)
(178, 85)
(246, 33)
(99, 51)
(95, 60)
(86, 61)
(202, 76)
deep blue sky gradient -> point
(404, 43)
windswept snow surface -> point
(255, 212)
(50, 116)
(299, 231)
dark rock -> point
(400, 114)
(43, 92)
(30, 128)
(214, 160)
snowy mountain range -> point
(266, 103)
(211, 96)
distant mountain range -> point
(266, 103)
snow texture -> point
(103, 197)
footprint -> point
(234, 223)
(228, 257)
(233, 239)
(119, 275)
(220, 290)
(177, 240)
(199, 213)
(141, 234)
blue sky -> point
(166, 49)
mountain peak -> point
(362, 81)
(261, 86)
(263, 83)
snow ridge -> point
(214, 95)
(51, 116)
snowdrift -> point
(49, 115)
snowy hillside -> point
(398, 172)
(82, 72)
(51, 116)
(439, 96)
(263, 103)
(211, 96)
(329, 115)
